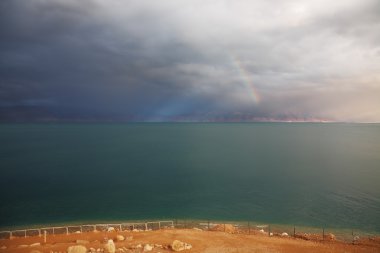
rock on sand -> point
(110, 247)
(120, 238)
(148, 247)
(331, 237)
(179, 246)
(77, 249)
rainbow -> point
(247, 80)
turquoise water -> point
(286, 173)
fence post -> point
(146, 226)
(294, 231)
(159, 225)
(249, 228)
(39, 232)
(25, 233)
(81, 230)
(323, 233)
(44, 236)
(208, 224)
(53, 231)
(67, 230)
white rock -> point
(270, 234)
(110, 229)
(148, 247)
(284, 234)
(110, 247)
(92, 250)
(77, 232)
(331, 237)
(76, 249)
(35, 244)
(158, 246)
(138, 246)
(129, 238)
(198, 229)
(179, 246)
(120, 238)
(262, 231)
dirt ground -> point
(201, 241)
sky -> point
(182, 60)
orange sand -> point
(202, 241)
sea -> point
(301, 174)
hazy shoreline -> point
(189, 223)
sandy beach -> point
(200, 241)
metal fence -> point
(56, 230)
(306, 233)
(247, 227)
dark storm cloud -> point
(189, 60)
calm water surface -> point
(304, 174)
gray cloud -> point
(189, 60)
